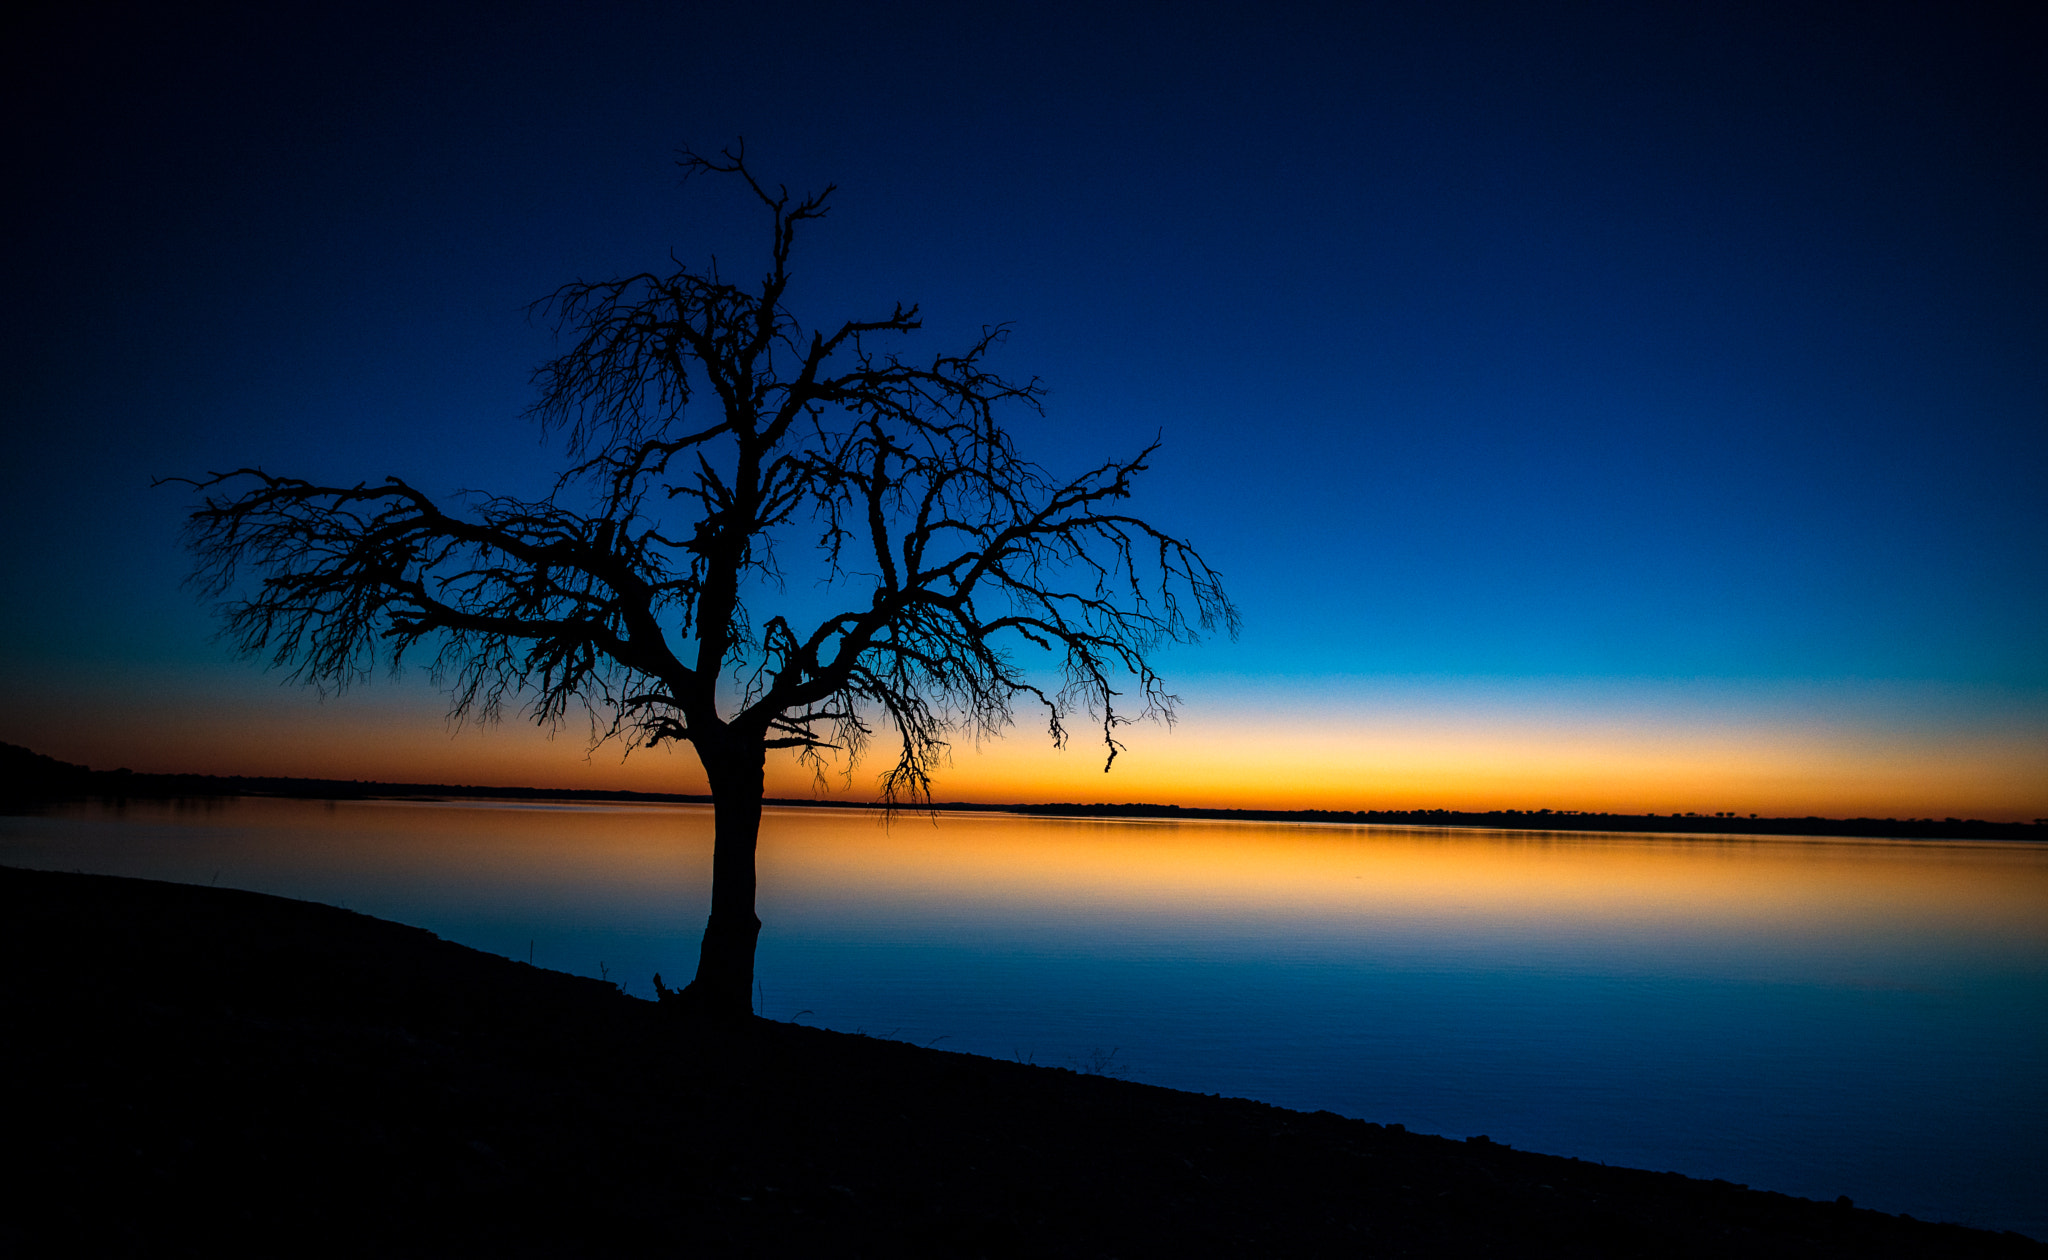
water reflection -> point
(1817, 1016)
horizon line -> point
(72, 779)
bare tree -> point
(638, 588)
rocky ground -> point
(196, 1070)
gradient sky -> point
(1603, 406)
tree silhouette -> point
(638, 587)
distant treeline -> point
(1570, 820)
(28, 777)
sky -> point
(1589, 406)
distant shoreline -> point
(28, 777)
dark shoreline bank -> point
(202, 1069)
(28, 778)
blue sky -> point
(1598, 359)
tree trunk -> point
(724, 987)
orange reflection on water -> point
(1208, 869)
(1316, 878)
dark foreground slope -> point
(202, 1070)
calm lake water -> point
(1820, 1017)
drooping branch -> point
(1031, 566)
(517, 597)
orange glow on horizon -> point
(1386, 758)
